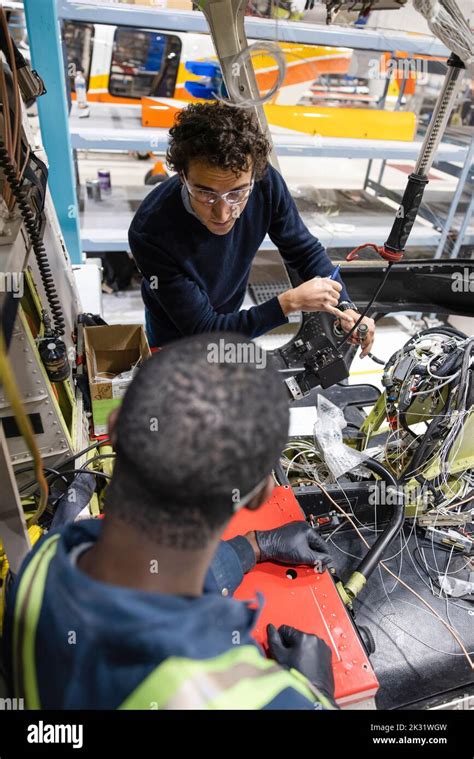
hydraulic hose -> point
(372, 558)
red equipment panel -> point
(309, 601)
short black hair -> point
(195, 434)
(221, 135)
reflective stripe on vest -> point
(28, 603)
(238, 679)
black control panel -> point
(314, 357)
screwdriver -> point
(335, 272)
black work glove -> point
(294, 543)
(307, 653)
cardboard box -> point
(111, 350)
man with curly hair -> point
(195, 236)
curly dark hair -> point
(219, 134)
(192, 431)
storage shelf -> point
(256, 28)
(105, 223)
(112, 127)
(119, 129)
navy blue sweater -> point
(195, 281)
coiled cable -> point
(35, 240)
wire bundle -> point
(11, 127)
(442, 373)
(13, 190)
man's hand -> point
(348, 319)
(307, 653)
(317, 294)
(294, 543)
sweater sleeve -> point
(298, 247)
(187, 304)
(232, 560)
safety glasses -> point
(209, 197)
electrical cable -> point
(49, 471)
(16, 137)
(377, 360)
(83, 470)
(412, 635)
(99, 457)
(10, 153)
(430, 569)
(7, 135)
(451, 629)
(374, 297)
(36, 241)
(23, 421)
(66, 461)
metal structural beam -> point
(463, 229)
(13, 532)
(255, 28)
(226, 24)
(466, 171)
(46, 55)
(106, 129)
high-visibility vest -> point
(240, 678)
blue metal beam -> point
(47, 58)
(255, 28)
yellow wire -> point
(7, 379)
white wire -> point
(419, 640)
(352, 513)
(437, 387)
(421, 553)
(421, 605)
